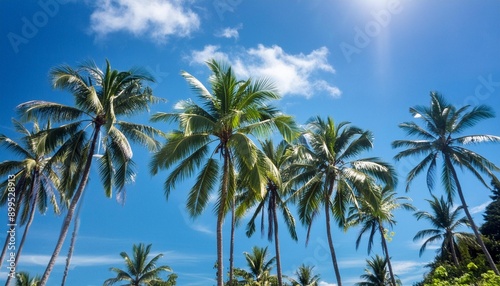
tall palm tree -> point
(440, 137)
(140, 271)
(272, 199)
(305, 276)
(328, 173)
(102, 98)
(35, 181)
(376, 273)
(445, 221)
(374, 212)
(214, 139)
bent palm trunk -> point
(471, 221)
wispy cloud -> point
(156, 19)
(407, 266)
(480, 208)
(76, 260)
(293, 74)
(229, 32)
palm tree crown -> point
(440, 138)
(305, 276)
(444, 219)
(36, 181)
(102, 98)
(140, 271)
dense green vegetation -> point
(319, 169)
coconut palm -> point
(140, 271)
(272, 199)
(376, 273)
(440, 138)
(305, 276)
(373, 214)
(214, 139)
(328, 174)
(259, 265)
(445, 221)
(102, 98)
(24, 279)
(35, 181)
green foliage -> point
(473, 276)
(141, 272)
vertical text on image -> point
(11, 225)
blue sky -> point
(363, 61)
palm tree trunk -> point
(276, 243)
(72, 242)
(329, 234)
(34, 191)
(386, 252)
(471, 221)
(231, 246)
(453, 250)
(220, 218)
(71, 209)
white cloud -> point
(403, 267)
(76, 260)
(156, 19)
(293, 74)
(229, 32)
(209, 52)
(480, 208)
(321, 283)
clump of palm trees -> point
(317, 168)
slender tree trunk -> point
(471, 221)
(71, 209)
(34, 191)
(220, 218)
(329, 234)
(387, 257)
(76, 226)
(452, 249)
(276, 241)
(231, 246)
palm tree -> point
(101, 98)
(376, 273)
(24, 279)
(373, 212)
(305, 276)
(328, 173)
(445, 221)
(437, 138)
(214, 138)
(35, 181)
(272, 199)
(260, 267)
(140, 271)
